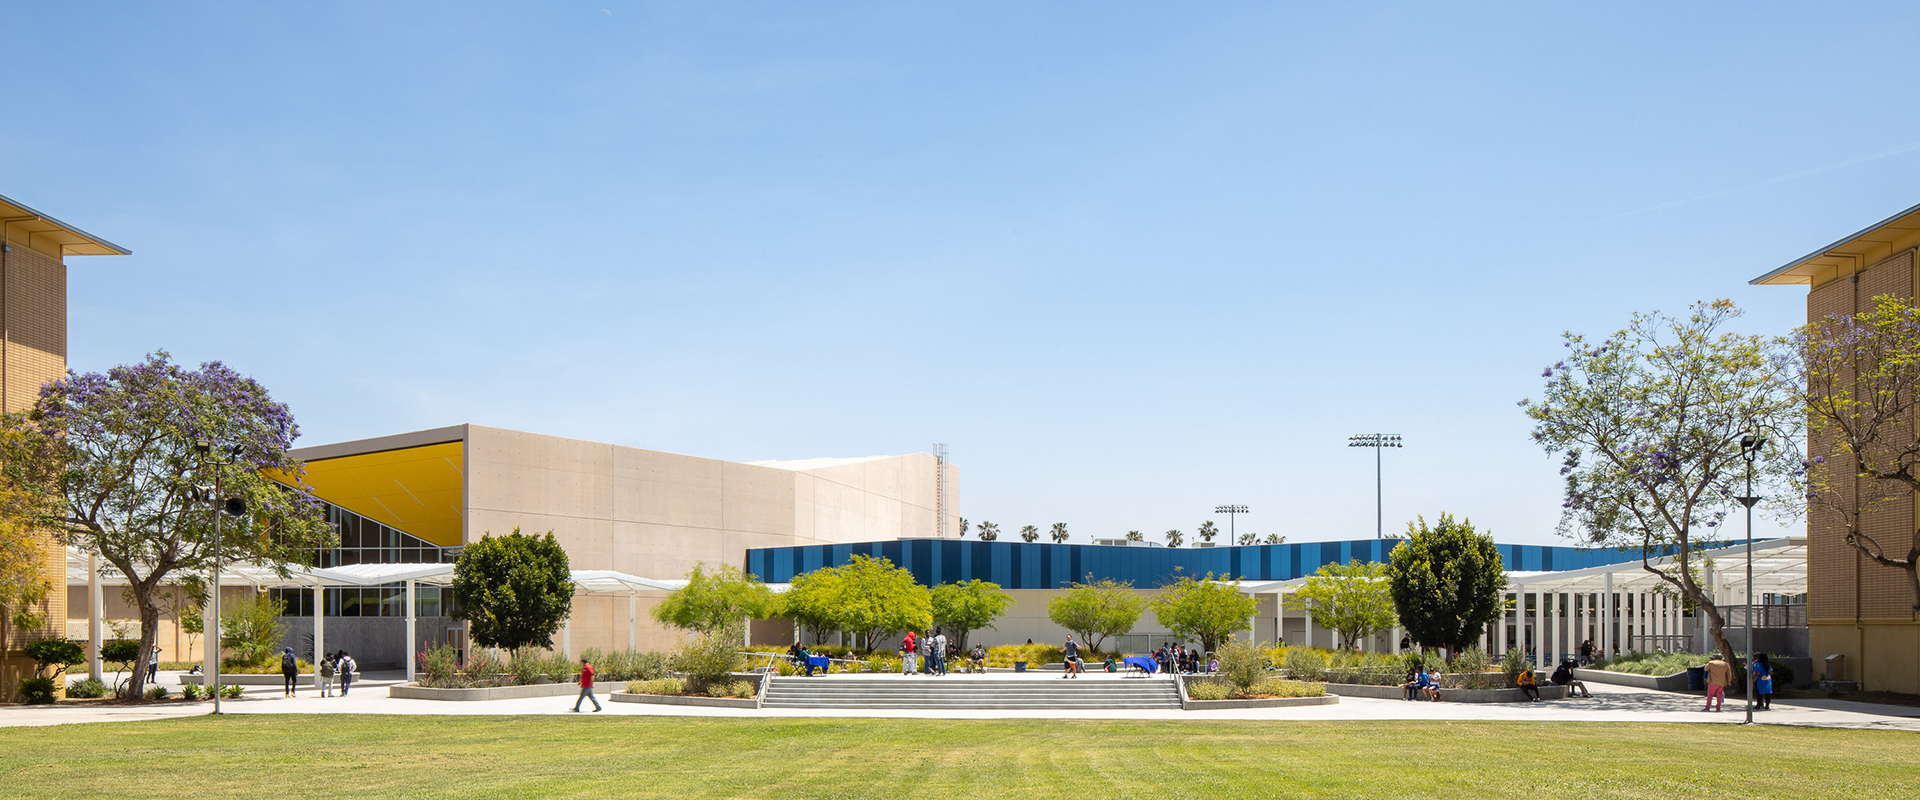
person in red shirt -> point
(586, 686)
(907, 652)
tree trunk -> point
(149, 637)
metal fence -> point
(1766, 616)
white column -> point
(1540, 629)
(1280, 615)
(210, 646)
(1607, 611)
(94, 621)
(413, 609)
(1308, 636)
(633, 610)
(1554, 628)
(566, 636)
(319, 631)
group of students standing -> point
(334, 664)
(1178, 659)
(930, 653)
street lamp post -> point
(1232, 512)
(219, 507)
(1377, 441)
(1750, 449)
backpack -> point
(326, 668)
(287, 663)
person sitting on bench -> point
(1527, 686)
(1564, 677)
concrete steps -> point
(955, 692)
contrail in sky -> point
(1777, 179)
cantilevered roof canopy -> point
(20, 221)
(585, 581)
(1851, 254)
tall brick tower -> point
(33, 351)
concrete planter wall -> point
(1547, 692)
(1269, 702)
(600, 688)
(1676, 682)
(683, 700)
(271, 679)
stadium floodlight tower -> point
(1379, 442)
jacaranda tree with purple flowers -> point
(119, 450)
(1862, 387)
(1648, 425)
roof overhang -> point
(1851, 254)
(39, 230)
(413, 482)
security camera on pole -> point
(1749, 449)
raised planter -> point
(748, 703)
(601, 688)
(1265, 702)
(270, 679)
(1676, 682)
(1547, 692)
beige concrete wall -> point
(655, 514)
(1883, 655)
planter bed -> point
(686, 700)
(1547, 692)
(1677, 682)
(256, 679)
(1262, 702)
(410, 692)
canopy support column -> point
(413, 610)
(94, 614)
(319, 631)
(633, 626)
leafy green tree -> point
(1208, 531)
(1174, 538)
(251, 630)
(1353, 599)
(1029, 533)
(963, 527)
(25, 495)
(122, 654)
(712, 600)
(812, 600)
(1249, 538)
(962, 608)
(120, 455)
(989, 531)
(1204, 609)
(1446, 582)
(1648, 426)
(1862, 379)
(1059, 533)
(1274, 538)
(877, 600)
(55, 655)
(513, 590)
(1136, 536)
(1097, 610)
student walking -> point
(907, 653)
(1072, 652)
(586, 687)
(1719, 677)
(345, 667)
(325, 668)
(289, 670)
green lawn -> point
(363, 756)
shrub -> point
(650, 666)
(526, 665)
(559, 667)
(1512, 664)
(745, 689)
(1241, 666)
(156, 693)
(1208, 690)
(38, 691)
(230, 691)
(658, 686)
(437, 666)
(710, 657)
(1655, 663)
(190, 691)
(1470, 667)
(87, 689)
(1305, 664)
(251, 631)
(484, 668)
(1281, 687)
(56, 654)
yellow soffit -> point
(416, 490)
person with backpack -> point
(325, 668)
(345, 667)
(1564, 677)
(290, 670)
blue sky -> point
(1129, 261)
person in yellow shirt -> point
(1529, 685)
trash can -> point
(1019, 666)
(1696, 679)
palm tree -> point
(963, 527)
(1173, 538)
(1207, 531)
(1059, 533)
(1249, 538)
(989, 531)
(1029, 533)
(1136, 536)
(1274, 538)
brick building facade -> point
(1857, 608)
(33, 351)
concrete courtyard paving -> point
(1609, 704)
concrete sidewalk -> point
(1609, 704)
